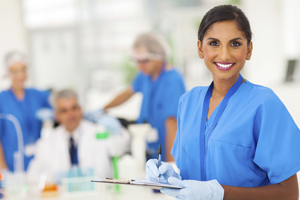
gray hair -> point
(153, 44)
(14, 57)
(62, 94)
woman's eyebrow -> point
(235, 39)
(213, 39)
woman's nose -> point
(224, 54)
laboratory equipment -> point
(78, 180)
(50, 190)
(138, 145)
(19, 155)
(15, 183)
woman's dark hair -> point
(223, 13)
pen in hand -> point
(159, 159)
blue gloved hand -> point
(94, 115)
(195, 190)
(44, 114)
(112, 124)
(165, 170)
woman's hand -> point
(195, 190)
(165, 171)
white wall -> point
(12, 32)
(267, 65)
(276, 29)
(291, 28)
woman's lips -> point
(224, 66)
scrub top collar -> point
(204, 134)
(162, 71)
(14, 95)
(211, 118)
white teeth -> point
(224, 65)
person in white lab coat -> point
(74, 142)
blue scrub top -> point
(160, 101)
(255, 143)
(25, 111)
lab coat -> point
(52, 153)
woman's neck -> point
(19, 92)
(221, 87)
(157, 72)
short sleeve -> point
(278, 140)
(137, 82)
(174, 90)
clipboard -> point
(141, 183)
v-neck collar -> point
(212, 117)
(15, 97)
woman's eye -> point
(236, 44)
(213, 43)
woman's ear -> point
(200, 50)
(249, 51)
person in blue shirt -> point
(161, 86)
(235, 139)
(23, 103)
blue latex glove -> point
(195, 190)
(112, 125)
(95, 115)
(44, 114)
(165, 170)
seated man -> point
(74, 142)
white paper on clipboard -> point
(141, 183)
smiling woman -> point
(235, 139)
(224, 54)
